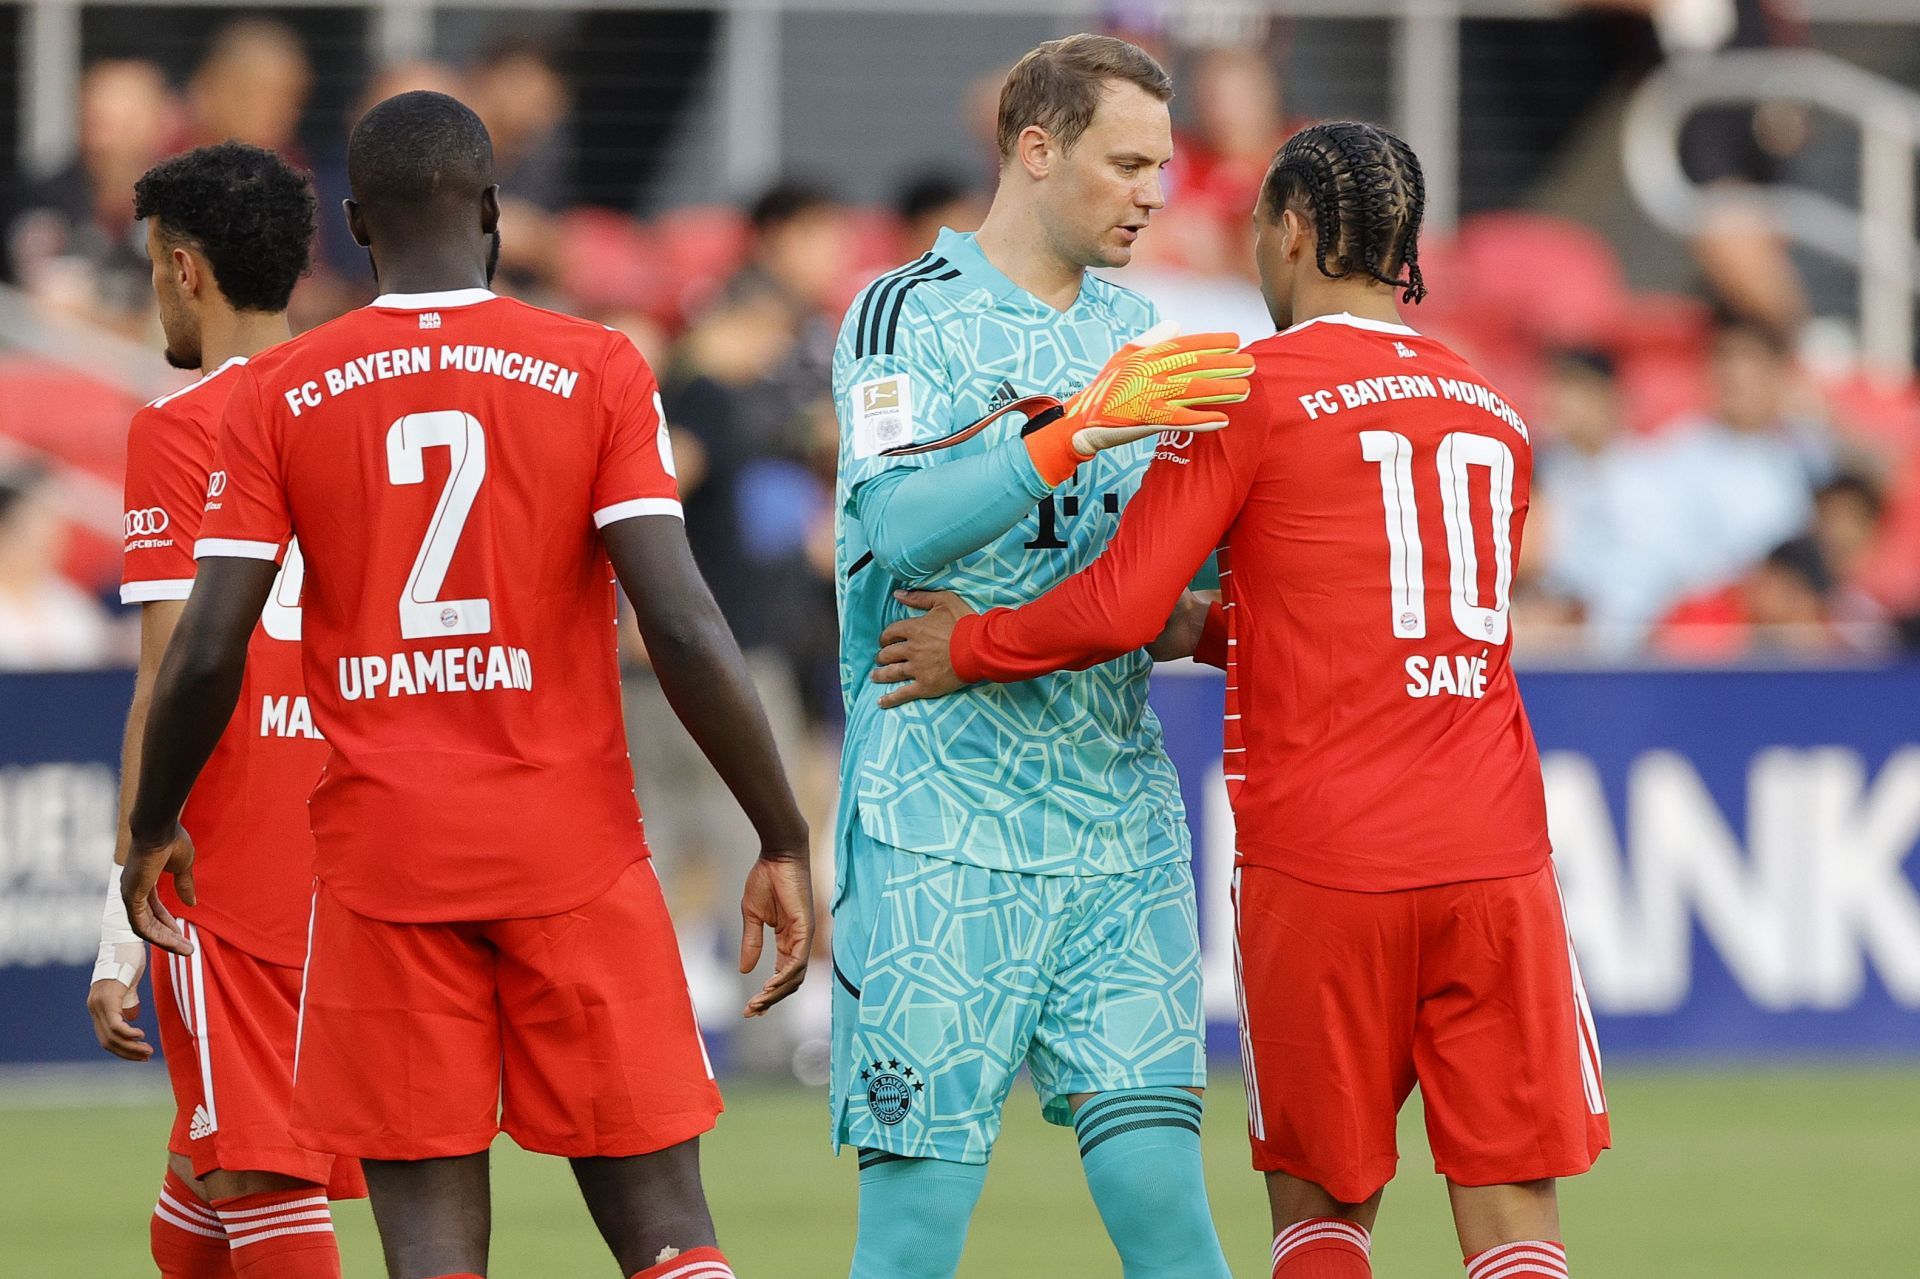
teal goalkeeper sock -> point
(1141, 1151)
(913, 1216)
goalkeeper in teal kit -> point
(1015, 886)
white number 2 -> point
(1458, 451)
(423, 614)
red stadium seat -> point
(79, 426)
(1554, 281)
(1661, 354)
(699, 246)
(1893, 574)
(609, 263)
(1879, 413)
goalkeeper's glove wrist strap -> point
(1053, 452)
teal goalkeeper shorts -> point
(949, 977)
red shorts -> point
(1471, 990)
(227, 1028)
(573, 1033)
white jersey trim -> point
(638, 506)
(201, 381)
(159, 588)
(1249, 1064)
(1355, 322)
(235, 548)
(306, 967)
(432, 301)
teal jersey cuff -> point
(918, 520)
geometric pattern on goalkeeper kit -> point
(967, 973)
(1060, 774)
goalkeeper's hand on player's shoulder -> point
(169, 853)
(914, 654)
(778, 895)
(1159, 381)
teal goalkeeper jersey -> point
(1064, 774)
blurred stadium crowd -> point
(1705, 490)
(1710, 486)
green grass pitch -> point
(1758, 1174)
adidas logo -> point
(430, 320)
(1003, 395)
(202, 1126)
(1406, 352)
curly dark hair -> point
(1363, 188)
(244, 208)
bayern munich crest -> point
(890, 1090)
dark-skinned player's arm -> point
(1120, 602)
(705, 679)
(193, 699)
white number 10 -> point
(1406, 577)
(423, 614)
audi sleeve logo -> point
(216, 484)
(150, 522)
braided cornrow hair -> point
(1363, 188)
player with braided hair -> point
(1396, 915)
(1366, 193)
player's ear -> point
(1035, 151)
(356, 224)
(490, 210)
(1296, 237)
(187, 272)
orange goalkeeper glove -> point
(1157, 381)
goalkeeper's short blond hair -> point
(1058, 86)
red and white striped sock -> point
(188, 1240)
(282, 1234)
(1525, 1259)
(1323, 1248)
(694, 1263)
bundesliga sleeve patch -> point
(882, 414)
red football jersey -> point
(1367, 500)
(446, 461)
(253, 864)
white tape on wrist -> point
(123, 956)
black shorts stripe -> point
(842, 979)
(900, 302)
(1135, 1125)
(1089, 1126)
(868, 1158)
(859, 564)
(1123, 1103)
(881, 295)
